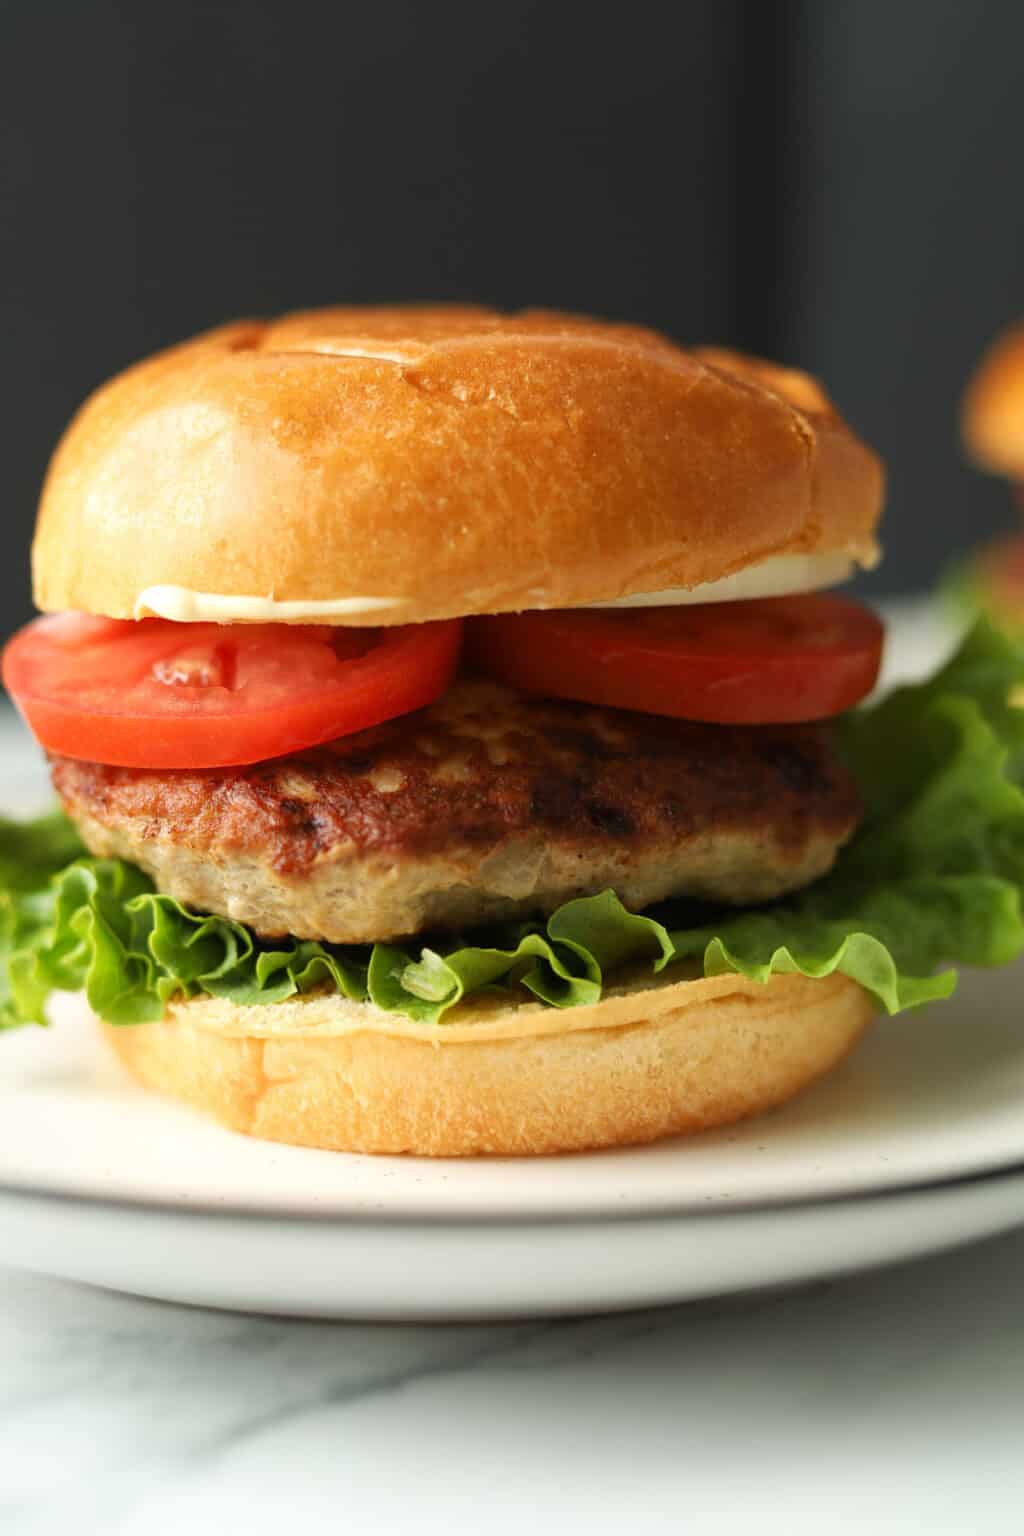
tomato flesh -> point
(156, 694)
(779, 660)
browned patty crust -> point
(487, 805)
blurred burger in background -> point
(992, 424)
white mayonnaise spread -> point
(776, 577)
(188, 607)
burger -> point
(992, 421)
(458, 749)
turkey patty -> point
(488, 805)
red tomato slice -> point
(767, 661)
(155, 694)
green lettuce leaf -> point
(932, 880)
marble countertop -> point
(890, 1402)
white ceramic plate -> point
(915, 1144)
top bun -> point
(454, 459)
(993, 407)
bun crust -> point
(993, 407)
(457, 460)
(652, 1059)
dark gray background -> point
(834, 183)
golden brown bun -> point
(651, 1059)
(457, 459)
(993, 407)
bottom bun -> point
(653, 1058)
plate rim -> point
(613, 1216)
